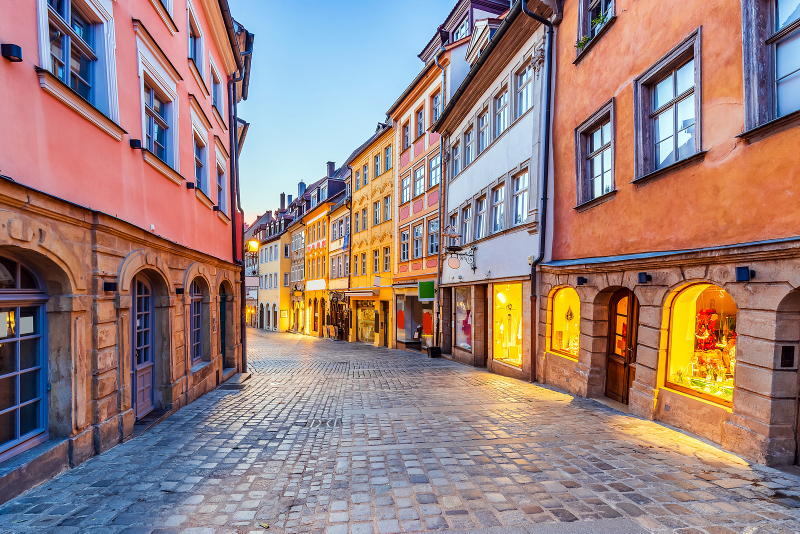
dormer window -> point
(324, 194)
(313, 200)
(462, 30)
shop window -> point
(507, 327)
(366, 321)
(196, 318)
(463, 318)
(702, 343)
(565, 338)
(414, 320)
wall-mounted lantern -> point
(644, 278)
(582, 281)
(11, 52)
(744, 274)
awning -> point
(361, 293)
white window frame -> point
(419, 181)
(524, 89)
(215, 73)
(520, 185)
(193, 21)
(501, 112)
(498, 201)
(484, 137)
(222, 169)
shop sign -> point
(426, 291)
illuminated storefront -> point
(365, 317)
(463, 321)
(565, 334)
(414, 322)
(507, 324)
(702, 354)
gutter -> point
(442, 195)
(543, 180)
(226, 16)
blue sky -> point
(324, 74)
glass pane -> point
(27, 321)
(788, 74)
(665, 154)
(663, 126)
(58, 5)
(28, 353)
(81, 27)
(597, 189)
(26, 279)
(607, 182)
(606, 133)
(789, 94)
(8, 357)
(80, 64)
(8, 274)
(686, 113)
(8, 392)
(686, 143)
(686, 77)
(597, 166)
(8, 322)
(28, 386)
(29, 418)
(597, 139)
(663, 93)
(606, 160)
(788, 11)
(8, 426)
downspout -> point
(442, 191)
(349, 247)
(543, 180)
(233, 121)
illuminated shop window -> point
(507, 328)
(463, 318)
(702, 355)
(566, 322)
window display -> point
(366, 322)
(507, 328)
(702, 355)
(463, 318)
(566, 322)
(414, 320)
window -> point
(595, 157)
(435, 174)
(420, 122)
(462, 30)
(339, 267)
(377, 165)
(501, 113)
(221, 197)
(702, 343)
(436, 106)
(216, 92)
(480, 222)
(364, 219)
(285, 279)
(363, 263)
(456, 159)
(454, 227)
(387, 257)
(286, 251)
(334, 234)
(599, 13)
(433, 237)
(156, 122)
(376, 215)
(418, 242)
(355, 265)
(387, 158)
(469, 155)
(419, 181)
(406, 141)
(524, 90)
(507, 328)
(376, 261)
(464, 318)
(200, 174)
(404, 246)
(387, 208)
(23, 368)
(498, 201)
(366, 174)
(466, 221)
(323, 264)
(520, 184)
(324, 191)
(358, 180)
(72, 54)
(347, 265)
(356, 227)
(566, 326)
(667, 112)
(483, 132)
(347, 225)
(195, 42)
(405, 190)
(196, 310)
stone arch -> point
(207, 337)
(194, 270)
(141, 259)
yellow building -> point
(372, 238)
(339, 265)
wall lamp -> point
(582, 281)
(644, 278)
(11, 52)
(109, 286)
(136, 144)
(744, 274)
(189, 185)
(179, 291)
(215, 208)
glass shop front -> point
(507, 324)
(414, 321)
(566, 333)
(365, 317)
(702, 352)
(463, 324)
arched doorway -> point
(261, 316)
(198, 322)
(143, 366)
(275, 317)
(623, 321)
(23, 365)
(322, 318)
(316, 316)
(267, 319)
(223, 319)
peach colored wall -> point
(740, 193)
(48, 146)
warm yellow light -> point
(565, 336)
(252, 245)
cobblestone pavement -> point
(336, 438)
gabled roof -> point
(380, 130)
(483, 31)
(455, 16)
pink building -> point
(120, 237)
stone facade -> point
(762, 419)
(87, 350)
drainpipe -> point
(233, 121)
(442, 189)
(349, 247)
(543, 180)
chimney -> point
(290, 200)
(283, 201)
(331, 169)
(301, 188)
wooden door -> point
(385, 309)
(623, 323)
(222, 321)
(143, 366)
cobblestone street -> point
(336, 438)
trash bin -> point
(434, 352)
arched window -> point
(702, 343)
(566, 333)
(269, 315)
(196, 314)
(275, 316)
(23, 370)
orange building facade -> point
(672, 287)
